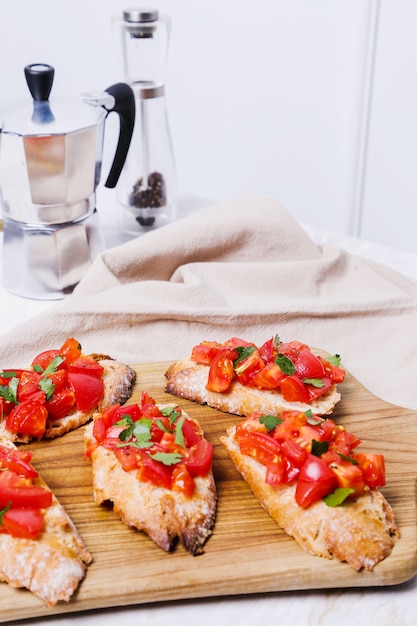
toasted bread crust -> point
(118, 381)
(165, 516)
(187, 379)
(50, 566)
(361, 532)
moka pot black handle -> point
(124, 106)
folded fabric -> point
(242, 268)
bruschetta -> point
(59, 392)
(308, 475)
(40, 548)
(238, 377)
(154, 465)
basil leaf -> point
(162, 426)
(276, 341)
(286, 365)
(179, 436)
(3, 511)
(316, 382)
(338, 496)
(47, 387)
(348, 458)
(244, 352)
(53, 365)
(335, 360)
(319, 447)
(8, 374)
(270, 421)
(7, 394)
(313, 420)
(167, 458)
(171, 412)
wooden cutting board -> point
(247, 553)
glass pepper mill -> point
(147, 185)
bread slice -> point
(118, 381)
(50, 566)
(166, 516)
(187, 379)
(361, 532)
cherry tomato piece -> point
(28, 418)
(221, 372)
(23, 523)
(88, 390)
(21, 493)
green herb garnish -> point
(319, 447)
(3, 511)
(167, 458)
(286, 365)
(335, 360)
(270, 421)
(316, 382)
(338, 496)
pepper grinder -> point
(147, 186)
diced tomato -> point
(190, 432)
(59, 379)
(344, 442)
(61, 404)
(44, 359)
(247, 367)
(269, 377)
(70, 350)
(294, 452)
(199, 458)
(28, 385)
(153, 471)
(275, 471)
(373, 468)
(128, 457)
(205, 352)
(88, 390)
(99, 429)
(315, 481)
(28, 418)
(315, 392)
(17, 461)
(292, 349)
(337, 374)
(221, 372)
(23, 523)
(307, 365)
(294, 390)
(268, 351)
(349, 476)
(261, 447)
(86, 365)
(182, 480)
(291, 425)
(237, 342)
(21, 493)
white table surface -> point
(388, 606)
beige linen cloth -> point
(243, 268)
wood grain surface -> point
(247, 553)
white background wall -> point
(311, 102)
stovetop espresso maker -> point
(50, 166)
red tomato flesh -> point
(23, 523)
